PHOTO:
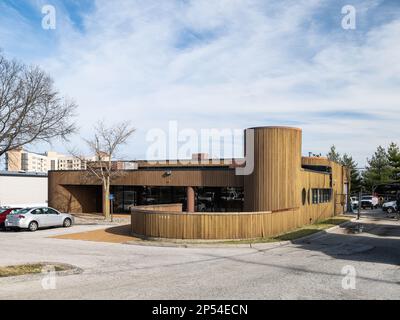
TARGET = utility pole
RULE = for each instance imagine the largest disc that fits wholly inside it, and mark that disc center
(349, 208)
(111, 207)
(359, 205)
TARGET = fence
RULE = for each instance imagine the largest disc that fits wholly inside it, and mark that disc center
(159, 222)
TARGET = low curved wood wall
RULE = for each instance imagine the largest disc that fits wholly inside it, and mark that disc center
(153, 222)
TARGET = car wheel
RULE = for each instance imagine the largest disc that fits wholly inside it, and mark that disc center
(67, 223)
(390, 210)
(33, 226)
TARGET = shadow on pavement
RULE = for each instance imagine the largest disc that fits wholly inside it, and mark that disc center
(124, 230)
(377, 243)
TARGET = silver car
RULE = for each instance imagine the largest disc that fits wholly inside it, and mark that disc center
(40, 217)
(390, 207)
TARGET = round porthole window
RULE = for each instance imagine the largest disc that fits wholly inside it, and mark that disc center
(304, 196)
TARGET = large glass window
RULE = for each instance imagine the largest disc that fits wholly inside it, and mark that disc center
(327, 195)
(219, 199)
(124, 198)
(321, 195)
(127, 196)
(314, 196)
(207, 199)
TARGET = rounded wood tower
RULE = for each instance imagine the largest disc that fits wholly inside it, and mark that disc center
(274, 183)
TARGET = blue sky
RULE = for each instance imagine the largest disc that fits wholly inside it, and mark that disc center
(75, 10)
(220, 64)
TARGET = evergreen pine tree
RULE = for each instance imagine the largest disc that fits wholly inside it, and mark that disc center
(333, 155)
(378, 169)
(355, 177)
(394, 161)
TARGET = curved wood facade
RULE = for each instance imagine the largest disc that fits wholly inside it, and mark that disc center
(167, 222)
(274, 183)
(156, 223)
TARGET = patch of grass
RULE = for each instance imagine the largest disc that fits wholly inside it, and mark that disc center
(296, 234)
(12, 271)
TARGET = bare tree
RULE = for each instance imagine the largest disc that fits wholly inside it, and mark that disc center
(105, 145)
(31, 109)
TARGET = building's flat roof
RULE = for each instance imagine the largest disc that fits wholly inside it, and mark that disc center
(23, 174)
(315, 171)
(190, 163)
(275, 127)
(206, 164)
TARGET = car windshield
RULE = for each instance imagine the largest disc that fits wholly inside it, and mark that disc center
(367, 198)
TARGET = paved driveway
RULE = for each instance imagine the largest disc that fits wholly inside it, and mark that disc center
(310, 269)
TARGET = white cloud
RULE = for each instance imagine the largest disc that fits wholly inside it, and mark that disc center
(253, 62)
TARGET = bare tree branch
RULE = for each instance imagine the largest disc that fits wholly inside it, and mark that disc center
(31, 109)
(105, 145)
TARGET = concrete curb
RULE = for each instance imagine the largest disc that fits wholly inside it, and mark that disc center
(254, 245)
(171, 244)
(322, 232)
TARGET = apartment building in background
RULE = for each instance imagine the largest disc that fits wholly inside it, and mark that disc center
(19, 160)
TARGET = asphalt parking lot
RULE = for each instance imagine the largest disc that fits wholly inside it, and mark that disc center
(314, 268)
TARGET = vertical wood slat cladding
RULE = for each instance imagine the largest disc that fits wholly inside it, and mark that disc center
(339, 179)
(212, 226)
(311, 212)
(183, 177)
(223, 226)
(274, 184)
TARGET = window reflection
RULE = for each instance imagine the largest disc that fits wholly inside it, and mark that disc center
(207, 199)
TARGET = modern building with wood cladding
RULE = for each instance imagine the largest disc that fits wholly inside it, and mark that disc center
(310, 188)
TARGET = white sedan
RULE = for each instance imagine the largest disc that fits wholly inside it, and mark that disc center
(40, 217)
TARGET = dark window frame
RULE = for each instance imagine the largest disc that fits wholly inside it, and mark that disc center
(321, 195)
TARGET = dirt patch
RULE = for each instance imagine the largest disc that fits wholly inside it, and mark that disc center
(98, 219)
(26, 269)
(118, 234)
